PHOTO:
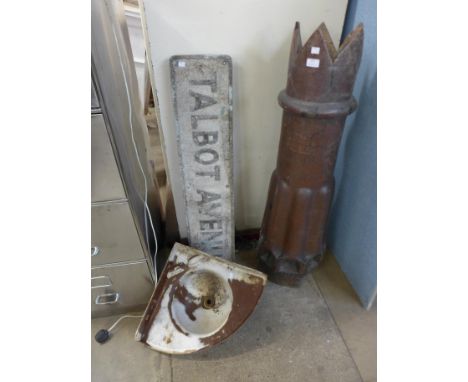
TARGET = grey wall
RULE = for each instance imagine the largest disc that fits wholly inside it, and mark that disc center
(352, 235)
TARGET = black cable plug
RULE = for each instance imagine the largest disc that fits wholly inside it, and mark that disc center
(102, 336)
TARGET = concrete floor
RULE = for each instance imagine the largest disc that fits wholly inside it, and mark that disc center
(317, 332)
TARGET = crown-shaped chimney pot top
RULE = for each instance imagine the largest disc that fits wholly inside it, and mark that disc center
(317, 71)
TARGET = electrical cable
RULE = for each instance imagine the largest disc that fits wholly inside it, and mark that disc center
(103, 335)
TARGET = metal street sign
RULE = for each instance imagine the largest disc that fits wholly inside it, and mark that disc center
(202, 87)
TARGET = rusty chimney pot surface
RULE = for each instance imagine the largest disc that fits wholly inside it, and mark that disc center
(315, 103)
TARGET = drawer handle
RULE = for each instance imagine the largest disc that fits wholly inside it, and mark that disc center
(106, 282)
(95, 251)
(107, 298)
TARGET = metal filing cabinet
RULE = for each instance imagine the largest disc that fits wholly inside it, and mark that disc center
(121, 278)
(124, 194)
(120, 287)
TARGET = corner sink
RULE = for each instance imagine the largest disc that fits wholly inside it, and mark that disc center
(199, 301)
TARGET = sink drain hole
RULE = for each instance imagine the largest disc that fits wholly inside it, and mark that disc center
(208, 302)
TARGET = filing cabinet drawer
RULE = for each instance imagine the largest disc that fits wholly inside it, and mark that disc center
(106, 183)
(120, 288)
(114, 237)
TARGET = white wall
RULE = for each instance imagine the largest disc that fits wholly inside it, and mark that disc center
(257, 35)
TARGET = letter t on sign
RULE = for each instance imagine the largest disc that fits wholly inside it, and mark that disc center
(202, 104)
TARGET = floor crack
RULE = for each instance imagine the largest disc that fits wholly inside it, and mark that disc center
(170, 363)
(317, 286)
